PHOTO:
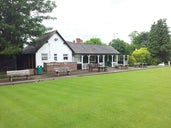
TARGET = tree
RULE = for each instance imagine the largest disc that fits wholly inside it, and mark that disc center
(159, 40)
(94, 41)
(20, 21)
(133, 35)
(132, 60)
(120, 46)
(139, 39)
(142, 55)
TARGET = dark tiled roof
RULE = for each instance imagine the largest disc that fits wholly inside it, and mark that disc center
(91, 49)
(76, 48)
(39, 42)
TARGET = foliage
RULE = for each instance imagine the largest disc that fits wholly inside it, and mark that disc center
(154, 61)
(132, 60)
(20, 22)
(128, 100)
(130, 48)
(120, 46)
(139, 39)
(159, 40)
(133, 36)
(142, 55)
(94, 41)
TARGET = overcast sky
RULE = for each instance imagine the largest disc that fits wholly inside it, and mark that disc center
(107, 19)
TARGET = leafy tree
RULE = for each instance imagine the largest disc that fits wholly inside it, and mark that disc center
(130, 48)
(159, 40)
(94, 41)
(139, 39)
(20, 21)
(120, 45)
(133, 35)
(132, 60)
(142, 55)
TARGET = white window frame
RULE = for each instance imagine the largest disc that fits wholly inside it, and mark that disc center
(55, 57)
(44, 56)
(65, 57)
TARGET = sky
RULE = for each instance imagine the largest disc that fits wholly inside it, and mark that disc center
(107, 19)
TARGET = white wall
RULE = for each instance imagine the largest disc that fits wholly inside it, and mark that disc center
(77, 58)
(53, 47)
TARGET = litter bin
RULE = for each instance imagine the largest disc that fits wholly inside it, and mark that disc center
(39, 70)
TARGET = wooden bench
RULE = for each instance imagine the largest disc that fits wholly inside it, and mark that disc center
(16, 73)
(140, 65)
(60, 70)
(118, 66)
(92, 66)
(124, 66)
(137, 65)
(103, 68)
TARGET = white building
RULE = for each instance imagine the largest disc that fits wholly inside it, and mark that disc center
(52, 47)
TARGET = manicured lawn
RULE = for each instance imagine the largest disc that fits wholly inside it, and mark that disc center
(137, 99)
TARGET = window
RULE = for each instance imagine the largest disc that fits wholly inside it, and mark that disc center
(65, 56)
(92, 58)
(44, 56)
(55, 57)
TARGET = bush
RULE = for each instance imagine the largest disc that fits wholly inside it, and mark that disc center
(132, 60)
(155, 61)
(142, 55)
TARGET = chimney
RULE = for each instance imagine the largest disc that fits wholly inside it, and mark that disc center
(78, 41)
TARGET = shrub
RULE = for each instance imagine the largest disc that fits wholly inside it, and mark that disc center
(142, 55)
(132, 60)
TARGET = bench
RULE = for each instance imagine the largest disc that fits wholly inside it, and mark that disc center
(60, 70)
(92, 66)
(16, 73)
(103, 68)
(140, 65)
(124, 66)
(118, 66)
(121, 66)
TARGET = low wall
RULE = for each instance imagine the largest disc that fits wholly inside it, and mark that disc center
(32, 71)
(49, 67)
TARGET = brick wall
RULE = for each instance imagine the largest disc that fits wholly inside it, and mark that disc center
(49, 67)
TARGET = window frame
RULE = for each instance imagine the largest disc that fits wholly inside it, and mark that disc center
(65, 57)
(55, 57)
(44, 56)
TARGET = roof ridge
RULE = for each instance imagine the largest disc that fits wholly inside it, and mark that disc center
(91, 48)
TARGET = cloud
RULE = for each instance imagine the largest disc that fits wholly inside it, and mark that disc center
(103, 18)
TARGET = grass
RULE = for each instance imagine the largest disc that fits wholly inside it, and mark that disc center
(137, 99)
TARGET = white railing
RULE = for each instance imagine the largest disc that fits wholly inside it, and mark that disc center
(114, 64)
(85, 66)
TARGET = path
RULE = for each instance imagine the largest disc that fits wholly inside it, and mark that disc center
(52, 76)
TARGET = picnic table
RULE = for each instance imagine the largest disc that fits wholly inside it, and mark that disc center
(103, 68)
(140, 65)
(121, 66)
(92, 66)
